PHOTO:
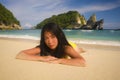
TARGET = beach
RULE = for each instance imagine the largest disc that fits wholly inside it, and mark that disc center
(102, 63)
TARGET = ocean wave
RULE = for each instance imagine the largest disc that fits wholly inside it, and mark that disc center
(77, 41)
(20, 37)
(87, 30)
(67, 30)
(97, 42)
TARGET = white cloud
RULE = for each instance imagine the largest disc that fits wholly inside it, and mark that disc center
(49, 4)
(99, 7)
(28, 25)
(112, 25)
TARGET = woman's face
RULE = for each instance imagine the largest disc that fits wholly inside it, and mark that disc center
(50, 40)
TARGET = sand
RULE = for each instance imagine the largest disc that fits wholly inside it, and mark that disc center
(102, 63)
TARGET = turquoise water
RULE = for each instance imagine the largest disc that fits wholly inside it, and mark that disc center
(103, 37)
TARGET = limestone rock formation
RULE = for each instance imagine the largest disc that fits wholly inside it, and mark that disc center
(92, 23)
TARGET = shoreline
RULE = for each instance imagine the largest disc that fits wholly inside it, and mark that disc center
(19, 39)
(82, 45)
(77, 41)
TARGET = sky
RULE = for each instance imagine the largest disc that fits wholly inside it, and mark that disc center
(32, 12)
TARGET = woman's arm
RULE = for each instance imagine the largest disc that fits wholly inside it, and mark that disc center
(74, 62)
(34, 55)
(76, 58)
(29, 54)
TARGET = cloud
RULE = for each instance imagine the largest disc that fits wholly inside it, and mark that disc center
(28, 25)
(51, 4)
(98, 7)
(112, 25)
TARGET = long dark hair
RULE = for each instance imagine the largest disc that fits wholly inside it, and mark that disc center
(62, 41)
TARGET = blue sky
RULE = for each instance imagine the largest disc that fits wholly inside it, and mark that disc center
(31, 12)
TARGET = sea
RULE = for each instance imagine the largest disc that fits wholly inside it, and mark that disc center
(99, 37)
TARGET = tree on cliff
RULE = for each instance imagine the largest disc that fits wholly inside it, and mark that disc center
(6, 17)
(69, 20)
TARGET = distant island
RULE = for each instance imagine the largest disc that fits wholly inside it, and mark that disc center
(7, 20)
(73, 20)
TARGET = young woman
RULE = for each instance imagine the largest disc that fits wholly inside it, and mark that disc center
(53, 48)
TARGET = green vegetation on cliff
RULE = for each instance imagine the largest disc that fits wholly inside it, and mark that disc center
(65, 20)
(7, 19)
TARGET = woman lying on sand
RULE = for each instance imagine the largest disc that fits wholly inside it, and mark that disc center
(54, 48)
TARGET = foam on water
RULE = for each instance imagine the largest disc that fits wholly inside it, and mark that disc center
(98, 42)
(20, 37)
(77, 41)
(104, 37)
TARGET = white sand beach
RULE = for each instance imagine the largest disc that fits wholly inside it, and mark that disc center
(102, 63)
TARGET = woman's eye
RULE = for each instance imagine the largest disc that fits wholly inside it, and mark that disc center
(46, 38)
(53, 36)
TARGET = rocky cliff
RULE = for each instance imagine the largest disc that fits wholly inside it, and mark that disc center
(7, 19)
(92, 23)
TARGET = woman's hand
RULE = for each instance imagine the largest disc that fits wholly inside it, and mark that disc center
(55, 61)
(73, 62)
(48, 58)
(51, 59)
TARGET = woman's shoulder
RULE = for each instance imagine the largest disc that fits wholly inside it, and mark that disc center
(72, 44)
(68, 48)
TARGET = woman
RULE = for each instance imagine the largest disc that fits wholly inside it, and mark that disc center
(53, 48)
